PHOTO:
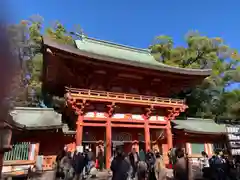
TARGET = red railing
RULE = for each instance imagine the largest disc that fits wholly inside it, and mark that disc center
(114, 96)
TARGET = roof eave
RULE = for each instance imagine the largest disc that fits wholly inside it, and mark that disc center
(33, 127)
(44, 127)
(13, 124)
(204, 133)
(200, 132)
(162, 67)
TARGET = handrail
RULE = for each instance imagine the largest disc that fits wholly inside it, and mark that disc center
(121, 96)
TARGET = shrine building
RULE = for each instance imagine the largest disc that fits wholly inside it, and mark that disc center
(116, 96)
(197, 135)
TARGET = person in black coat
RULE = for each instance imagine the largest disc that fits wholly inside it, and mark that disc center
(86, 160)
(120, 167)
(134, 159)
(78, 165)
(150, 160)
(59, 170)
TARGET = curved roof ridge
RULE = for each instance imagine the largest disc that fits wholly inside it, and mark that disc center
(188, 69)
(198, 119)
(116, 45)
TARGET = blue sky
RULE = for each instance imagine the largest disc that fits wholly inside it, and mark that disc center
(137, 22)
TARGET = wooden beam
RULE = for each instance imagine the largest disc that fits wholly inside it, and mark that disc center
(128, 125)
(95, 119)
(114, 120)
(158, 122)
(157, 127)
(94, 124)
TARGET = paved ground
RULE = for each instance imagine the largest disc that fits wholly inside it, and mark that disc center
(103, 175)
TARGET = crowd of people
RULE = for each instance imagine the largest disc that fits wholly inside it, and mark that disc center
(135, 165)
(77, 165)
(146, 166)
(220, 166)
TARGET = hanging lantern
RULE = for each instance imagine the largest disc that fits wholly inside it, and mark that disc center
(5, 139)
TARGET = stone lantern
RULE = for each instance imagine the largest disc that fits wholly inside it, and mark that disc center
(5, 138)
(5, 141)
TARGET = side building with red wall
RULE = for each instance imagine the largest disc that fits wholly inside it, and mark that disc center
(37, 143)
(197, 135)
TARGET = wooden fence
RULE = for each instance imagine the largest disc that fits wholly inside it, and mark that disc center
(20, 151)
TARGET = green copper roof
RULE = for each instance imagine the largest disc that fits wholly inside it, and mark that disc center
(127, 54)
(120, 54)
(201, 126)
(37, 118)
(116, 51)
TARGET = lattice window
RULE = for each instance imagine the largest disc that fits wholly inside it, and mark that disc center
(123, 136)
(141, 137)
(89, 137)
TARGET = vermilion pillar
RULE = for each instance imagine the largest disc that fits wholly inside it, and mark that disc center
(79, 132)
(108, 144)
(147, 134)
(169, 135)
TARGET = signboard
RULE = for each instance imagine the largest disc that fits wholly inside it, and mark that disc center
(234, 139)
(79, 149)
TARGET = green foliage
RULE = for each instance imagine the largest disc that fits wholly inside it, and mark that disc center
(199, 52)
(59, 33)
(210, 99)
(24, 50)
(232, 104)
(26, 39)
(34, 67)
